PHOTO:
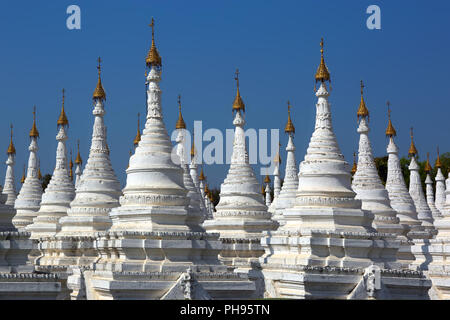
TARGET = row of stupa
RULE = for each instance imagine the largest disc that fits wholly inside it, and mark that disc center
(324, 235)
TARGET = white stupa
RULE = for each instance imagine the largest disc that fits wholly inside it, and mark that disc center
(9, 187)
(430, 192)
(327, 248)
(440, 185)
(288, 191)
(79, 163)
(195, 213)
(416, 191)
(60, 190)
(401, 200)
(195, 179)
(367, 183)
(276, 174)
(28, 201)
(268, 191)
(98, 189)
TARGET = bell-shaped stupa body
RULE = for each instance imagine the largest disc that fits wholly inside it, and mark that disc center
(194, 176)
(415, 190)
(59, 192)
(9, 187)
(29, 199)
(241, 212)
(367, 183)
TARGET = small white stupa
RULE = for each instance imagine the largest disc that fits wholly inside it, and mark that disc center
(416, 191)
(401, 200)
(429, 190)
(9, 187)
(268, 191)
(28, 201)
(60, 190)
(440, 185)
(288, 192)
(79, 163)
(195, 213)
(366, 181)
(195, 179)
(276, 181)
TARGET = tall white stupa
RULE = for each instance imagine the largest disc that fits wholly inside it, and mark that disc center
(416, 191)
(195, 178)
(28, 201)
(79, 163)
(288, 192)
(60, 190)
(9, 187)
(366, 181)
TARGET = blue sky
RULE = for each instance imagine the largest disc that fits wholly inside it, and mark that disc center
(275, 44)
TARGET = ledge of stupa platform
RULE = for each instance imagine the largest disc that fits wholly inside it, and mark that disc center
(15, 246)
(29, 286)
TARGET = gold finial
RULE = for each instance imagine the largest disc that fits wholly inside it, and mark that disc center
(206, 189)
(201, 177)
(289, 128)
(138, 134)
(390, 131)
(322, 73)
(99, 92)
(355, 166)
(180, 122)
(412, 149)
(71, 167)
(153, 58)
(62, 120)
(39, 173)
(22, 181)
(277, 158)
(267, 179)
(11, 149)
(263, 190)
(238, 104)
(34, 133)
(438, 163)
(210, 196)
(193, 151)
(362, 110)
(427, 164)
(78, 159)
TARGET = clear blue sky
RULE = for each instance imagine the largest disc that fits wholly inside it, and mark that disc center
(275, 44)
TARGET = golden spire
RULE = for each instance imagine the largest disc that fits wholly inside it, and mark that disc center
(62, 120)
(71, 167)
(362, 110)
(390, 131)
(289, 128)
(138, 134)
(22, 181)
(193, 151)
(412, 149)
(78, 159)
(201, 177)
(210, 196)
(180, 122)
(322, 73)
(438, 163)
(355, 166)
(277, 158)
(11, 149)
(153, 59)
(267, 179)
(99, 93)
(263, 190)
(238, 104)
(427, 164)
(39, 173)
(206, 189)
(34, 133)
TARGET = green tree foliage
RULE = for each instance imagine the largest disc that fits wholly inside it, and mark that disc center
(381, 164)
(215, 196)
